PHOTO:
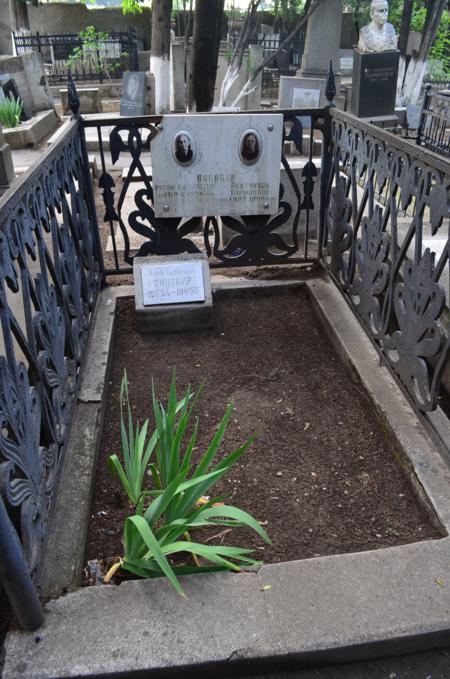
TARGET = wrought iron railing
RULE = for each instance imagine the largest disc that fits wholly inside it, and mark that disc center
(134, 231)
(50, 273)
(434, 128)
(96, 60)
(386, 244)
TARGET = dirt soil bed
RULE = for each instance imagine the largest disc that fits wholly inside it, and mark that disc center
(322, 473)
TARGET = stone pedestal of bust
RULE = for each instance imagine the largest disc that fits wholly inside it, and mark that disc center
(374, 83)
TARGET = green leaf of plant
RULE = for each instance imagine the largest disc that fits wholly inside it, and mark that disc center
(237, 514)
(152, 544)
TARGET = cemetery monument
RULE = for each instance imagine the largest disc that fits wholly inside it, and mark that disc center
(132, 102)
(375, 67)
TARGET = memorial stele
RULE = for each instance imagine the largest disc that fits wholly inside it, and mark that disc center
(379, 35)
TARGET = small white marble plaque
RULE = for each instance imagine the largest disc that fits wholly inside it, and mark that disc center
(305, 98)
(217, 165)
(174, 283)
(346, 63)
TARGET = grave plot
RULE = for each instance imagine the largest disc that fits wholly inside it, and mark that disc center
(322, 476)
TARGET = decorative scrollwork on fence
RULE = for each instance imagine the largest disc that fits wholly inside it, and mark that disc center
(135, 230)
(388, 203)
(50, 274)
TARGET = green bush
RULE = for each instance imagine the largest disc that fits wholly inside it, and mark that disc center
(177, 502)
(11, 112)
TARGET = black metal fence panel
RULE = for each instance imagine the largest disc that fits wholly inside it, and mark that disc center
(386, 244)
(434, 129)
(50, 274)
(134, 231)
(88, 59)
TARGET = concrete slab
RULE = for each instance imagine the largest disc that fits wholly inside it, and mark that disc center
(325, 609)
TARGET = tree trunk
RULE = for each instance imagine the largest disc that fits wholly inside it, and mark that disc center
(160, 56)
(413, 78)
(205, 53)
(19, 15)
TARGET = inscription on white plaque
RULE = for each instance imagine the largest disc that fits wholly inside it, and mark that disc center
(174, 283)
(217, 165)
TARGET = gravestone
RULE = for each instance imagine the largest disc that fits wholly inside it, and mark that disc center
(172, 293)
(322, 44)
(217, 165)
(374, 83)
(413, 116)
(132, 102)
(27, 71)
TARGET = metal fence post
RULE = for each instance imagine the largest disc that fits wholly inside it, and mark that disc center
(15, 577)
(74, 105)
(423, 113)
(327, 157)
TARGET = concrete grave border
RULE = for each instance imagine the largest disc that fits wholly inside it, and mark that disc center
(327, 609)
(31, 132)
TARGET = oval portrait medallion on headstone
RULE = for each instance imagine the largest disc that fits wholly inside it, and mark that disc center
(184, 148)
(250, 147)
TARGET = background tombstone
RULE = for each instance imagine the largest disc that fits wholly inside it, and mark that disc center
(374, 83)
(132, 102)
(322, 45)
(27, 71)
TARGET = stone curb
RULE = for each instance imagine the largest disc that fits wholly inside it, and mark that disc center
(328, 609)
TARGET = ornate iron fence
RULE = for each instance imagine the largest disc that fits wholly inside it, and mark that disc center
(50, 273)
(134, 231)
(386, 244)
(102, 59)
(434, 128)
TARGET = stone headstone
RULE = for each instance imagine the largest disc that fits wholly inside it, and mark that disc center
(27, 71)
(217, 165)
(413, 115)
(132, 102)
(323, 38)
(172, 293)
(374, 83)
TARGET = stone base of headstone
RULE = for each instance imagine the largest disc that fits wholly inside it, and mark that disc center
(164, 318)
(31, 132)
(286, 95)
(374, 83)
(89, 97)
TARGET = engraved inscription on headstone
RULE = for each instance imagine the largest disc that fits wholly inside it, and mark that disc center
(374, 83)
(346, 63)
(217, 165)
(174, 283)
(132, 102)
